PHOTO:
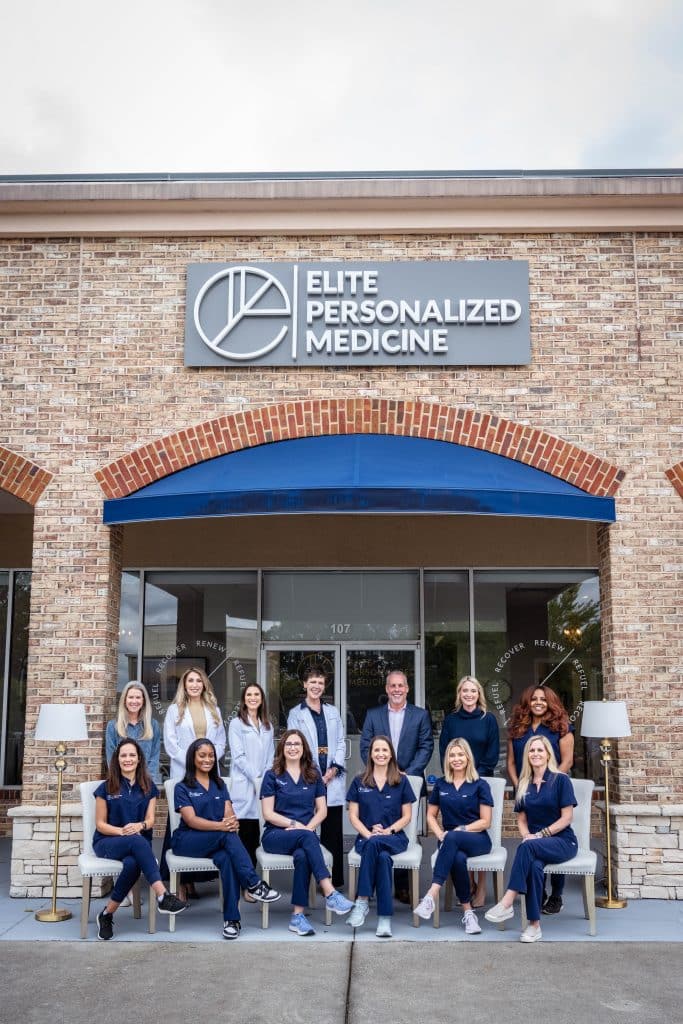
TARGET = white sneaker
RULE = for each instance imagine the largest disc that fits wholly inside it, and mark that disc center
(383, 928)
(532, 933)
(356, 918)
(425, 908)
(126, 901)
(499, 913)
(472, 926)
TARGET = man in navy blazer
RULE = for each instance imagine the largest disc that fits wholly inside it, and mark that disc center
(410, 731)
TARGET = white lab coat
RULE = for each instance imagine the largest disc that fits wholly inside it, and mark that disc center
(179, 735)
(251, 755)
(300, 718)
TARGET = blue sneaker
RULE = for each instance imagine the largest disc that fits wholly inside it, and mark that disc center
(300, 925)
(338, 904)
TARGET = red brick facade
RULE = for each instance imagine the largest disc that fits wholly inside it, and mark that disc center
(288, 420)
(21, 477)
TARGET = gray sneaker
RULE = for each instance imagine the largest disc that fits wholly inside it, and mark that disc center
(383, 928)
(425, 908)
(356, 918)
(472, 926)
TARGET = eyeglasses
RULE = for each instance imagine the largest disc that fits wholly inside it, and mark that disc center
(295, 743)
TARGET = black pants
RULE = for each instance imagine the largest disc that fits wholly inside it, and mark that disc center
(250, 834)
(332, 836)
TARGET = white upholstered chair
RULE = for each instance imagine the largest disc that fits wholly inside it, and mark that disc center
(585, 861)
(495, 860)
(91, 866)
(410, 859)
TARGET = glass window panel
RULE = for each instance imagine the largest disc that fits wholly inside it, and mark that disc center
(284, 675)
(447, 639)
(16, 696)
(4, 602)
(202, 619)
(540, 627)
(311, 606)
(129, 628)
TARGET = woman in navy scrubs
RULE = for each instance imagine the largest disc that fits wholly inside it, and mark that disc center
(208, 828)
(544, 806)
(540, 712)
(379, 809)
(124, 819)
(293, 801)
(465, 803)
(472, 722)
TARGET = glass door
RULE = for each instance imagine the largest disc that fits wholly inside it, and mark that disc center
(282, 670)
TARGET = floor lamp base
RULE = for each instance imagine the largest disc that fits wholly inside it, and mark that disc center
(51, 916)
(605, 903)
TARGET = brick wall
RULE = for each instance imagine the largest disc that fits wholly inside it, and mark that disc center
(92, 359)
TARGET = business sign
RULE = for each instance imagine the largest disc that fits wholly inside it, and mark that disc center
(465, 313)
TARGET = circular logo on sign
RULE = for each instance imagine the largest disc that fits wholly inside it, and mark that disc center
(229, 306)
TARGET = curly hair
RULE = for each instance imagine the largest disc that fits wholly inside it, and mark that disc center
(208, 697)
(556, 718)
(308, 769)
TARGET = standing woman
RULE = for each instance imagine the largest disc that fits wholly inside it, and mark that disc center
(465, 803)
(125, 805)
(544, 806)
(322, 726)
(472, 722)
(293, 802)
(193, 715)
(252, 748)
(540, 712)
(134, 721)
(379, 809)
(208, 828)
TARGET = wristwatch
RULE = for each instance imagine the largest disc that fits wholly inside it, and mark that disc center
(392, 831)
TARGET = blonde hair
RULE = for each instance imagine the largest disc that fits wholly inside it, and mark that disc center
(122, 720)
(208, 697)
(482, 696)
(527, 771)
(471, 773)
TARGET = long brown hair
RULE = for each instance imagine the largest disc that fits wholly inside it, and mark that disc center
(208, 697)
(556, 718)
(393, 773)
(262, 710)
(308, 769)
(142, 776)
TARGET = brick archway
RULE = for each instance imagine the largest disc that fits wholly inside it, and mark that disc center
(675, 477)
(287, 420)
(21, 477)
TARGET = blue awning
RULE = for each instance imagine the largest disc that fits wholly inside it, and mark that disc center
(368, 473)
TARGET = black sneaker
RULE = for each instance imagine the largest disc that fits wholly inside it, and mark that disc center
(231, 929)
(263, 893)
(170, 904)
(105, 926)
(553, 905)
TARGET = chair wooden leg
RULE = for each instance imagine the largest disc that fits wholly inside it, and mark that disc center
(312, 892)
(137, 909)
(264, 906)
(173, 885)
(589, 902)
(499, 890)
(152, 916)
(352, 883)
(448, 898)
(436, 920)
(415, 893)
(522, 908)
(85, 906)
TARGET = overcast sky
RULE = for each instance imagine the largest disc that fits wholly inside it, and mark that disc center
(289, 85)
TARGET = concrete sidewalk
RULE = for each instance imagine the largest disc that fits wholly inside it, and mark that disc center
(339, 983)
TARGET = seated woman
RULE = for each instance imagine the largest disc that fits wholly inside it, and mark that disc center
(465, 802)
(293, 802)
(379, 809)
(544, 806)
(208, 828)
(124, 818)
